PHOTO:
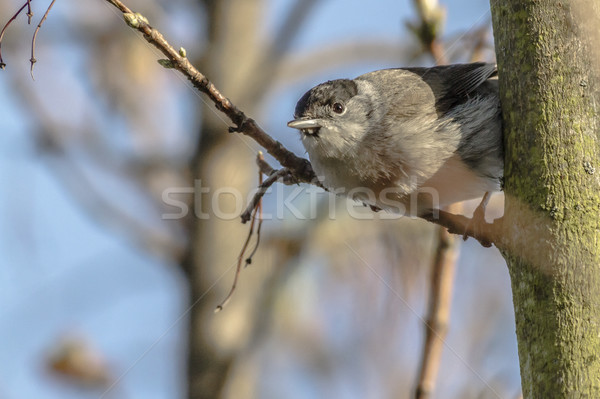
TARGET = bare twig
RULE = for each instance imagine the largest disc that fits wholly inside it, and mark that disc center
(479, 40)
(299, 168)
(274, 175)
(2, 64)
(469, 44)
(29, 12)
(285, 178)
(437, 52)
(263, 165)
(257, 209)
(431, 19)
(440, 295)
(438, 313)
(239, 265)
(257, 243)
(262, 189)
(33, 60)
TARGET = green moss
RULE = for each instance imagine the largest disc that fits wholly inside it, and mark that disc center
(553, 196)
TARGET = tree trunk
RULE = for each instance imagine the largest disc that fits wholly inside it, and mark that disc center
(548, 72)
(221, 160)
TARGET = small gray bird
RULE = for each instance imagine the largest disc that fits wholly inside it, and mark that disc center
(406, 140)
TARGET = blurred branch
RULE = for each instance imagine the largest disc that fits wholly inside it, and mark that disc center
(32, 60)
(428, 28)
(274, 175)
(256, 210)
(479, 40)
(300, 168)
(485, 233)
(29, 12)
(438, 313)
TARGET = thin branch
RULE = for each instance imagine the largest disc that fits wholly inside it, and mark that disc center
(257, 209)
(122, 7)
(33, 60)
(2, 64)
(485, 233)
(437, 52)
(238, 268)
(480, 41)
(262, 189)
(29, 12)
(257, 243)
(263, 166)
(438, 313)
(462, 44)
(431, 19)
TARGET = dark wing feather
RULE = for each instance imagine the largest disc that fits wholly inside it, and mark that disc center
(453, 84)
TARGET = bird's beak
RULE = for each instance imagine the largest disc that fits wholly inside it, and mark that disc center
(303, 124)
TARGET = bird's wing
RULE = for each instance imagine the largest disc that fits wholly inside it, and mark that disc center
(453, 84)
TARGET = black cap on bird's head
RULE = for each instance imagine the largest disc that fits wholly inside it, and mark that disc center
(325, 94)
(322, 101)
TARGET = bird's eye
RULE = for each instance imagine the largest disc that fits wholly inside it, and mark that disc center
(338, 108)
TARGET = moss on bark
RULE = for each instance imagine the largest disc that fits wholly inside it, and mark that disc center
(549, 93)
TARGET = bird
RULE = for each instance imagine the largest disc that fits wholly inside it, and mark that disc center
(406, 140)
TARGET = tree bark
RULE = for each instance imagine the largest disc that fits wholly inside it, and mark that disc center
(548, 71)
(220, 160)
